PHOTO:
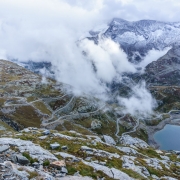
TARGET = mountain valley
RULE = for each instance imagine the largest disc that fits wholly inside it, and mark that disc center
(47, 131)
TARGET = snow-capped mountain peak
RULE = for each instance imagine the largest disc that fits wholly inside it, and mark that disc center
(142, 36)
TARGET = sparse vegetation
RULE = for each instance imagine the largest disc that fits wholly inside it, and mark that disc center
(46, 163)
(26, 154)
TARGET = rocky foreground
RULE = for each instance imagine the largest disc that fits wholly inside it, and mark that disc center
(90, 139)
(35, 153)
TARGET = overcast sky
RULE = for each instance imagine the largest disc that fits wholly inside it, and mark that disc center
(49, 29)
(27, 26)
(36, 18)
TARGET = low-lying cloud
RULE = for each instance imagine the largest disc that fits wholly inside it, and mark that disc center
(140, 103)
(109, 59)
(49, 30)
(152, 55)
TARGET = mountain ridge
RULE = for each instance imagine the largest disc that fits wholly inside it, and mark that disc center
(141, 36)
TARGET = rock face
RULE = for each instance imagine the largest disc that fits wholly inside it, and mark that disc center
(109, 140)
(128, 163)
(34, 150)
(46, 132)
(54, 146)
(129, 141)
(49, 106)
(21, 159)
(165, 70)
(18, 172)
(3, 148)
(111, 172)
(58, 164)
(76, 178)
(132, 159)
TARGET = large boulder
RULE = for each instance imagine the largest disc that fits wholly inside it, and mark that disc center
(58, 164)
(20, 159)
(109, 140)
(54, 146)
(4, 148)
(130, 141)
(35, 151)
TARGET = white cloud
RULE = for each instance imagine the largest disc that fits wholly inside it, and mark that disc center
(109, 60)
(140, 103)
(48, 30)
(151, 56)
(3, 54)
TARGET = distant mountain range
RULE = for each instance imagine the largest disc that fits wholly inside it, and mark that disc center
(138, 37)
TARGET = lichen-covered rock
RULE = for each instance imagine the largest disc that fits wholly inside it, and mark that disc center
(20, 159)
(111, 172)
(127, 150)
(109, 140)
(76, 178)
(128, 163)
(18, 172)
(58, 164)
(128, 141)
(35, 151)
(4, 148)
(54, 146)
(98, 152)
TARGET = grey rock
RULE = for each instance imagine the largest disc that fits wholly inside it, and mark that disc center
(26, 130)
(154, 176)
(20, 159)
(88, 159)
(54, 146)
(177, 152)
(145, 171)
(34, 128)
(76, 160)
(165, 158)
(64, 148)
(109, 140)
(64, 170)
(102, 163)
(36, 165)
(129, 141)
(85, 148)
(46, 132)
(60, 175)
(42, 137)
(96, 124)
(4, 148)
(94, 142)
(76, 173)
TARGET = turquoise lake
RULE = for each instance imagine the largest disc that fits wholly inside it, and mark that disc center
(168, 138)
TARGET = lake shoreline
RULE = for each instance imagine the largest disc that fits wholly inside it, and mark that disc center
(151, 130)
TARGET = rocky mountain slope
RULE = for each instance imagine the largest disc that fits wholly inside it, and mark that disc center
(89, 137)
(165, 71)
(161, 75)
(27, 101)
(47, 132)
(41, 154)
(138, 37)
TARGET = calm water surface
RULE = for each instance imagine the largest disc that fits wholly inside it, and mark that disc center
(168, 138)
